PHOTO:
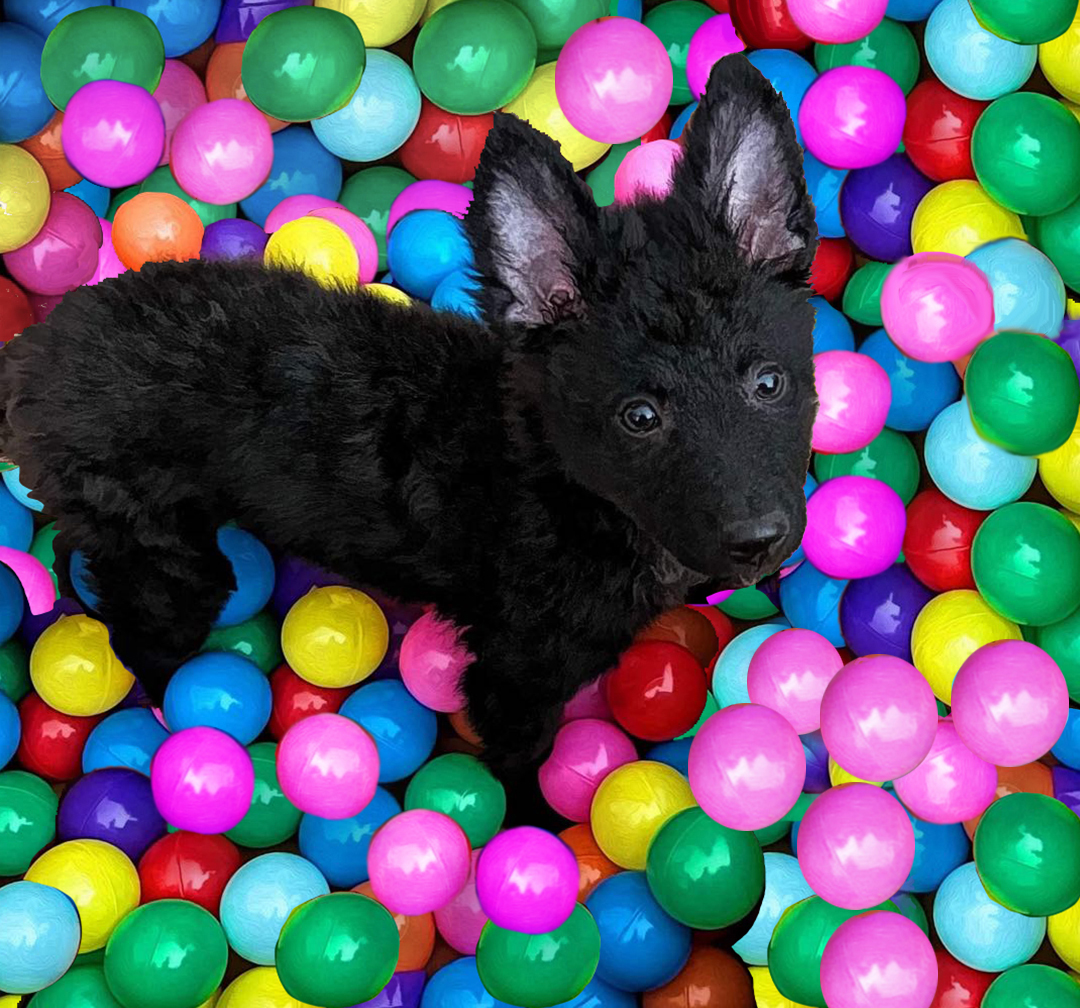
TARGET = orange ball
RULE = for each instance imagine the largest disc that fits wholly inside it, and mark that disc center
(223, 78)
(49, 152)
(460, 722)
(593, 864)
(711, 978)
(416, 934)
(156, 227)
(1031, 778)
(687, 627)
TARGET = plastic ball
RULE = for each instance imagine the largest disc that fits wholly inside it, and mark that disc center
(188, 866)
(460, 786)
(784, 886)
(890, 48)
(425, 246)
(219, 690)
(1059, 471)
(833, 264)
(811, 601)
(114, 805)
(381, 22)
(829, 21)
(402, 729)
(317, 248)
(39, 938)
(272, 818)
(584, 753)
(301, 166)
(1043, 985)
(824, 186)
(878, 203)
(25, 108)
(854, 397)
(178, 92)
(937, 132)
(938, 850)
(429, 194)
(156, 227)
(890, 458)
(339, 847)
(461, 921)
(1057, 60)
(432, 662)
(63, 252)
(959, 986)
(832, 331)
(789, 673)
(920, 390)
(862, 295)
(675, 24)
(711, 976)
(712, 40)
(296, 699)
(445, 145)
(657, 690)
(26, 195)
(765, 25)
(1028, 292)
(647, 171)
(877, 614)
(731, 672)
(28, 806)
(51, 743)
(958, 216)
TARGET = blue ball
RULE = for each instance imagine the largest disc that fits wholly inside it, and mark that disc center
(1028, 292)
(626, 8)
(424, 247)
(253, 568)
(44, 17)
(920, 390)
(681, 120)
(219, 689)
(20, 492)
(811, 601)
(184, 24)
(379, 117)
(729, 673)
(832, 330)
(96, 197)
(1067, 748)
(458, 985)
(127, 738)
(301, 165)
(969, 470)
(12, 604)
(784, 887)
(457, 291)
(402, 729)
(939, 850)
(910, 10)
(641, 947)
(823, 184)
(16, 522)
(10, 730)
(24, 106)
(969, 59)
(598, 994)
(675, 753)
(980, 933)
(789, 74)
(809, 486)
(260, 896)
(79, 573)
(39, 938)
(339, 847)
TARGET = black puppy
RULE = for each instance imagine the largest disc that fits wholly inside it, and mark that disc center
(635, 420)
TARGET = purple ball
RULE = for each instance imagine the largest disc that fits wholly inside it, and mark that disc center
(399, 617)
(878, 203)
(403, 991)
(294, 579)
(32, 627)
(877, 613)
(817, 763)
(233, 238)
(1066, 787)
(115, 805)
(238, 18)
(1069, 340)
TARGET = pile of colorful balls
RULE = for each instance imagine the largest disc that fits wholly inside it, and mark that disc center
(854, 786)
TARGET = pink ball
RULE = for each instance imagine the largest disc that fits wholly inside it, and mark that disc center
(419, 861)
(852, 117)
(712, 41)
(951, 784)
(202, 780)
(588, 702)
(585, 752)
(647, 170)
(853, 400)
(177, 93)
(747, 767)
(462, 919)
(789, 672)
(109, 264)
(359, 234)
(429, 194)
(837, 20)
(856, 846)
(328, 765)
(63, 255)
(1010, 703)
(613, 79)
(937, 306)
(854, 527)
(880, 959)
(878, 717)
(294, 207)
(527, 880)
(432, 662)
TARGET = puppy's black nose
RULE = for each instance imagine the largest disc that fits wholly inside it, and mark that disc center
(753, 539)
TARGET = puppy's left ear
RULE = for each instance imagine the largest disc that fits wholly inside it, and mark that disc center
(743, 170)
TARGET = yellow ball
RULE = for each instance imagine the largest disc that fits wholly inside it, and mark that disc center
(99, 878)
(388, 293)
(765, 993)
(948, 629)
(432, 7)
(631, 805)
(1060, 471)
(1060, 61)
(958, 217)
(316, 247)
(24, 197)
(258, 988)
(838, 775)
(539, 107)
(1063, 930)
(334, 636)
(380, 21)
(75, 670)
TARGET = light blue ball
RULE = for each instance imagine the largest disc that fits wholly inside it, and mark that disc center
(681, 120)
(126, 738)
(424, 247)
(789, 74)
(379, 117)
(339, 847)
(939, 850)
(219, 689)
(675, 754)
(969, 470)
(971, 60)
(920, 390)
(10, 730)
(832, 330)
(823, 184)
(729, 673)
(1028, 292)
(12, 604)
(44, 17)
(910, 10)
(16, 522)
(811, 601)
(458, 985)
(39, 936)
(980, 933)
(260, 896)
(20, 492)
(301, 165)
(24, 106)
(96, 197)
(402, 729)
(253, 568)
(184, 24)
(1067, 748)
(784, 887)
(457, 292)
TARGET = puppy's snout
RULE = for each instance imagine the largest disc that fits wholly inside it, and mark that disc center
(753, 540)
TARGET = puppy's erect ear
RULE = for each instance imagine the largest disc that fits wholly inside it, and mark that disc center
(743, 169)
(532, 224)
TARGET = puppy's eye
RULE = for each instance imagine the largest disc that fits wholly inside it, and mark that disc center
(639, 416)
(769, 384)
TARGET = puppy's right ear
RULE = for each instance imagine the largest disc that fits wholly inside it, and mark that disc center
(532, 224)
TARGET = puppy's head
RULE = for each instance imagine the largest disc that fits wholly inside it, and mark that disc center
(666, 345)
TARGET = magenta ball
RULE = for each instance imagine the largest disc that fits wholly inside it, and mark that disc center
(367, 251)
(856, 846)
(789, 672)
(109, 264)
(647, 171)
(585, 752)
(712, 41)
(432, 662)
(854, 527)
(202, 780)
(747, 767)
(527, 880)
(951, 784)
(882, 960)
(613, 79)
(328, 766)
(177, 93)
(63, 255)
(937, 306)
(419, 861)
(462, 919)
(852, 116)
(837, 20)
(429, 194)
(589, 702)
(293, 207)
(1010, 702)
(854, 396)
(878, 718)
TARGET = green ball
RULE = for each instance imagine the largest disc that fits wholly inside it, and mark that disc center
(862, 295)
(1032, 986)
(538, 971)
(1027, 852)
(674, 23)
(369, 193)
(302, 63)
(14, 670)
(890, 457)
(909, 905)
(120, 197)
(257, 639)
(337, 950)
(80, 987)
(1061, 641)
(771, 834)
(890, 48)
(41, 549)
(460, 786)
(169, 953)
(705, 875)
(554, 21)
(1025, 559)
(27, 819)
(1058, 237)
(710, 708)
(749, 603)
(1026, 22)
(601, 180)
(162, 180)
(271, 818)
(101, 43)
(1025, 148)
(473, 56)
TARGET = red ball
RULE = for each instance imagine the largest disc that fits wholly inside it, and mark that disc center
(294, 699)
(188, 866)
(52, 743)
(767, 24)
(445, 145)
(659, 131)
(937, 541)
(832, 267)
(688, 627)
(15, 311)
(959, 986)
(657, 691)
(937, 131)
